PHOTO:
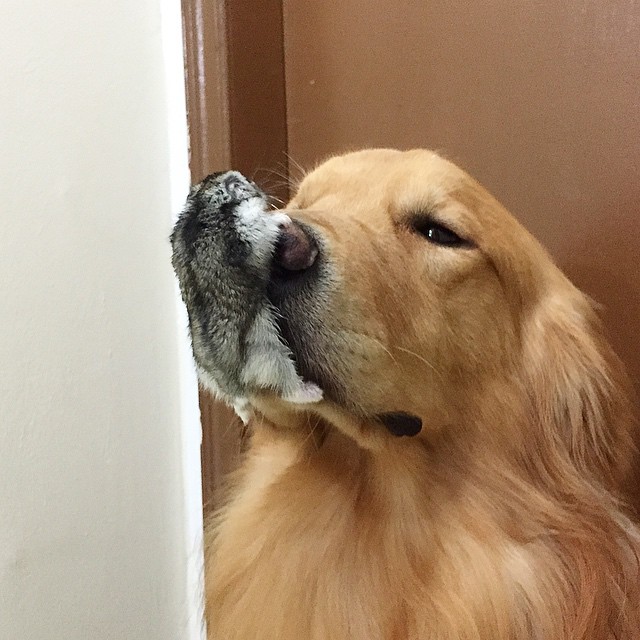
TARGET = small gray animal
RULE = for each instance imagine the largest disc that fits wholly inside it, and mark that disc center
(225, 245)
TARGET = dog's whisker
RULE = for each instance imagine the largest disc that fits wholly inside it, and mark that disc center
(376, 341)
(385, 349)
(296, 164)
(274, 184)
(282, 182)
(227, 428)
(286, 180)
(311, 434)
(419, 357)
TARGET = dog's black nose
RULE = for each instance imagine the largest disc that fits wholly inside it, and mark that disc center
(296, 250)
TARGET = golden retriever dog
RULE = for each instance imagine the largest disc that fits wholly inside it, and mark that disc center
(442, 443)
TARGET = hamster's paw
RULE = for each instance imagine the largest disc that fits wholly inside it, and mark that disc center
(243, 409)
(305, 393)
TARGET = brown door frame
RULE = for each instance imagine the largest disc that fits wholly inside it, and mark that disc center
(236, 109)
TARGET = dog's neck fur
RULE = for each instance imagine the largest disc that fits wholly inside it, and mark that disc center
(416, 541)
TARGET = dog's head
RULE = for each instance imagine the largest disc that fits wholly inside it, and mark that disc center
(418, 300)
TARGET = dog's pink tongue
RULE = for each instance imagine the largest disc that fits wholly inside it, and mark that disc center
(296, 251)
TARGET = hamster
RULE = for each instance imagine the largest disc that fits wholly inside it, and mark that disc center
(224, 244)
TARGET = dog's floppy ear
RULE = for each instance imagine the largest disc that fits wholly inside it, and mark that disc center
(577, 388)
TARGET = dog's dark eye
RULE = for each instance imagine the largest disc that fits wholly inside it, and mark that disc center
(437, 233)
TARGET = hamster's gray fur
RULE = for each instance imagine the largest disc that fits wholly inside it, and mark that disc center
(223, 244)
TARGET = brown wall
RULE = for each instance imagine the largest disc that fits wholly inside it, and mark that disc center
(539, 100)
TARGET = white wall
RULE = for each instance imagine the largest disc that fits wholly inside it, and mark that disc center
(99, 477)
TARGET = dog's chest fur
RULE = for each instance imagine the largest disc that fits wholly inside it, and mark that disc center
(311, 551)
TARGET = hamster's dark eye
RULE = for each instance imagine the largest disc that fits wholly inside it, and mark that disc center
(437, 233)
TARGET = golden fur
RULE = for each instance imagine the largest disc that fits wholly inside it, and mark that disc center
(505, 517)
